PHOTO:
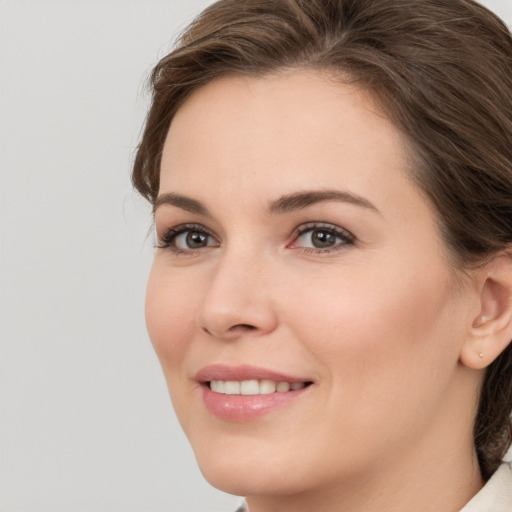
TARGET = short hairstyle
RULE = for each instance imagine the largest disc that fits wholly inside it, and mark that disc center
(442, 72)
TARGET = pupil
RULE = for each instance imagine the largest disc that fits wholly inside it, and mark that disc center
(323, 239)
(195, 239)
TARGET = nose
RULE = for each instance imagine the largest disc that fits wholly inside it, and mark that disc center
(237, 301)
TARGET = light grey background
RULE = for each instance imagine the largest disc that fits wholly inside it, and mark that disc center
(86, 423)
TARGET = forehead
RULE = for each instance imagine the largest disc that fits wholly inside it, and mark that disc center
(291, 124)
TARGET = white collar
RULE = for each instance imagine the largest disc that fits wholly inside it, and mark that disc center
(496, 495)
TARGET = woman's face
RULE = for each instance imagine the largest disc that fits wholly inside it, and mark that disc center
(295, 249)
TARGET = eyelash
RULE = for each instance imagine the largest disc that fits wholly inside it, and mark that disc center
(346, 237)
(169, 238)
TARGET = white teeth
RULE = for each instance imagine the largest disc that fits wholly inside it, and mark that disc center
(267, 387)
(249, 387)
(217, 386)
(253, 387)
(283, 386)
(232, 387)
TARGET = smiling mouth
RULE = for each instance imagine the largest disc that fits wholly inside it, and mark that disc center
(254, 387)
(245, 393)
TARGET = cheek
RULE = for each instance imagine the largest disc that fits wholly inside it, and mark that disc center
(169, 311)
(369, 326)
(385, 345)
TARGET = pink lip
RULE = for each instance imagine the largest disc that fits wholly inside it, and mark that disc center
(243, 372)
(244, 407)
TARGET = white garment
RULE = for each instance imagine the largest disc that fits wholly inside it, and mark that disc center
(242, 507)
(495, 496)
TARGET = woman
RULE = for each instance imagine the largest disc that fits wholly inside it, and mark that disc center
(331, 294)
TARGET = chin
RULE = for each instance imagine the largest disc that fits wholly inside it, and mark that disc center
(247, 472)
(254, 482)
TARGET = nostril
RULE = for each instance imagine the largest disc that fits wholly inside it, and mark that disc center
(244, 327)
(238, 328)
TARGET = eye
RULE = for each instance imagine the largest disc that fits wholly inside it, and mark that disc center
(320, 237)
(187, 238)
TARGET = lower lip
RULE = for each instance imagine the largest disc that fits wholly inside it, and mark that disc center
(246, 407)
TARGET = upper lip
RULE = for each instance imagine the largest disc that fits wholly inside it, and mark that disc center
(241, 373)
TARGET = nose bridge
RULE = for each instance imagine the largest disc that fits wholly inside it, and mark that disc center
(237, 299)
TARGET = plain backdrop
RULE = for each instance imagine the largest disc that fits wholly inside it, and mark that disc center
(86, 422)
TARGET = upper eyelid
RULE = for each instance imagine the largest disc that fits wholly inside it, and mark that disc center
(319, 224)
(187, 226)
(311, 226)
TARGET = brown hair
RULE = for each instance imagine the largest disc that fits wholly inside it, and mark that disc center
(442, 72)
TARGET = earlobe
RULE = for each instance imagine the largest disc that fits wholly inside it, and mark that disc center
(491, 330)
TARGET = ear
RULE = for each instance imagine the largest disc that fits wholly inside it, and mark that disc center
(491, 330)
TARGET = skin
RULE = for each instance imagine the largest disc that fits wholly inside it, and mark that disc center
(378, 323)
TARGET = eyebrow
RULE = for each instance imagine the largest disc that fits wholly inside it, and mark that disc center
(185, 203)
(300, 200)
(284, 204)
